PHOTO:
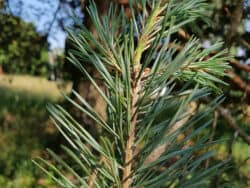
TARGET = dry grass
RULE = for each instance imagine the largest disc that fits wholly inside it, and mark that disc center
(34, 85)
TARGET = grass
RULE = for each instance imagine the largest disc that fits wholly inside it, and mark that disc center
(25, 129)
(34, 86)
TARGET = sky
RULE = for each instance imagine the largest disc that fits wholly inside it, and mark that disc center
(41, 14)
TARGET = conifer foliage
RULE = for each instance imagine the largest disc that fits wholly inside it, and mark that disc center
(147, 110)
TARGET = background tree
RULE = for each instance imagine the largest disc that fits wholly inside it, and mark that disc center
(22, 50)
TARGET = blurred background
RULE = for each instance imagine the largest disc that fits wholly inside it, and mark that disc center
(33, 72)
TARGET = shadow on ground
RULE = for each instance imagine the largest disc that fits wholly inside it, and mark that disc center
(25, 130)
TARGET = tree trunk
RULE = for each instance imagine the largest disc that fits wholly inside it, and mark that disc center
(80, 83)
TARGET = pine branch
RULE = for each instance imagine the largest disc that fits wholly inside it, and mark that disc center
(146, 112)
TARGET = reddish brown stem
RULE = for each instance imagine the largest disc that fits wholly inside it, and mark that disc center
(239, 83)
(240, 66)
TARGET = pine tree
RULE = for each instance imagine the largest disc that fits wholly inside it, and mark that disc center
(151, 136)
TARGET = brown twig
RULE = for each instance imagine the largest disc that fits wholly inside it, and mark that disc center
(239, 83)
(92, 177)
(240, 66)
(127, 180)
(245, 43)
(225, 113)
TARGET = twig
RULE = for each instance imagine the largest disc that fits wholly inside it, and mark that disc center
(54, 18)
(245, 43)
(240, 66)
(243, 162)
(232, 124)
(239, 83)
(92, 177)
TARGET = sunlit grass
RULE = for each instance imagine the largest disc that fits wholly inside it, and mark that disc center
(25, 128)
(35, 86)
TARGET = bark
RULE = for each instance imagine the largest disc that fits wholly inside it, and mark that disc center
(80, 83)
(240, 84)
(236, 17)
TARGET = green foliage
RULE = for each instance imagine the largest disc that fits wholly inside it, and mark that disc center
(19, 144)
(24, 132)
(143, 108)
(22, 49)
